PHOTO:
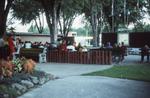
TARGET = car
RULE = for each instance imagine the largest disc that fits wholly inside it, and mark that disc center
(133, 51)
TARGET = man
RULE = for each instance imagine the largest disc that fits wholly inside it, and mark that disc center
(1, 42)
(123, 49)
(1, 47)
(145, 52)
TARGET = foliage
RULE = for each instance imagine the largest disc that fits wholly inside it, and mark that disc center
(141, 27)
(98, 12)
(29, 65)
(84, 31)
(52, 13)
(34, 29)
(25, 10)
(18, 64)
(33, 13)
(8, 68)
(68, 12)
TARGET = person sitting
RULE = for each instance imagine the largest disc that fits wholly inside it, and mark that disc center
(145, 52)
(79, 48)
(109, 45)
(72, 47)
(63, 46)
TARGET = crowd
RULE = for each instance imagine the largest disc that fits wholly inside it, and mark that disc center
(119, 51)
(9, 47)
(71, 47)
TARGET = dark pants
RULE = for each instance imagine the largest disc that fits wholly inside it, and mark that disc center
(142, 57)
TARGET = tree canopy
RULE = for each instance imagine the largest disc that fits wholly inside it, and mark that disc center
(101, 14)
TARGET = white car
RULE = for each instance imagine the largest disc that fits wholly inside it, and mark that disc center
(134, 51)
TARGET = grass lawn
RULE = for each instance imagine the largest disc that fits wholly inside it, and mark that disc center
(134, 72)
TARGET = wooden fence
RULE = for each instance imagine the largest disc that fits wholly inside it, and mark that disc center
(90, 57)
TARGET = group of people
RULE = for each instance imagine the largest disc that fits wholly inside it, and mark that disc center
(73, 47)
(7, 47)
(118, 51)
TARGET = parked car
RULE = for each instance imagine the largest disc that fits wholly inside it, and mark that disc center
(134, 51)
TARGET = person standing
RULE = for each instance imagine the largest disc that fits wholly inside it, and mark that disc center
(1, 47)
(1, 42)
(123, 50)
(11, 44)
(8, 41)
(145, 52)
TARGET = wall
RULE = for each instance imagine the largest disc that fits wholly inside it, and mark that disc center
(109, 37)
(136, 39)
(139, 39)
(33, 37)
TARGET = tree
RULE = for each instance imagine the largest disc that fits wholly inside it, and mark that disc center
(141, 27)
(28, 11)
(5, 6)
(52, 11)
(124, 12)
(92, 10)
(69, 10)
(84, 31)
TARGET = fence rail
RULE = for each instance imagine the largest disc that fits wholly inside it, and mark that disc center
(90, 57)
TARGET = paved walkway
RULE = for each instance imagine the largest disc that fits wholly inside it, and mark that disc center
(65, 70)
(91, 87)
(72, 85)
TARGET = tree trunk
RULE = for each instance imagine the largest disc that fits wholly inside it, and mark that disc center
(2, 25)
(51, 9)
(54, 32)
(94, 23)
(94, 30)
(4, 10)
(2, 18)
(48, 19)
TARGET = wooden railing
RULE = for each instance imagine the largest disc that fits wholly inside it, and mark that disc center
(90, 57)
(32, 53)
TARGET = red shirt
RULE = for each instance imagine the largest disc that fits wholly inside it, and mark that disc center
(123, 49)
(63, 47)
(11, 45)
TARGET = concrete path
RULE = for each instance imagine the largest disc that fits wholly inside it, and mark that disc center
(131, 59)
(65, 70)
(91, 87)
(72, 85)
